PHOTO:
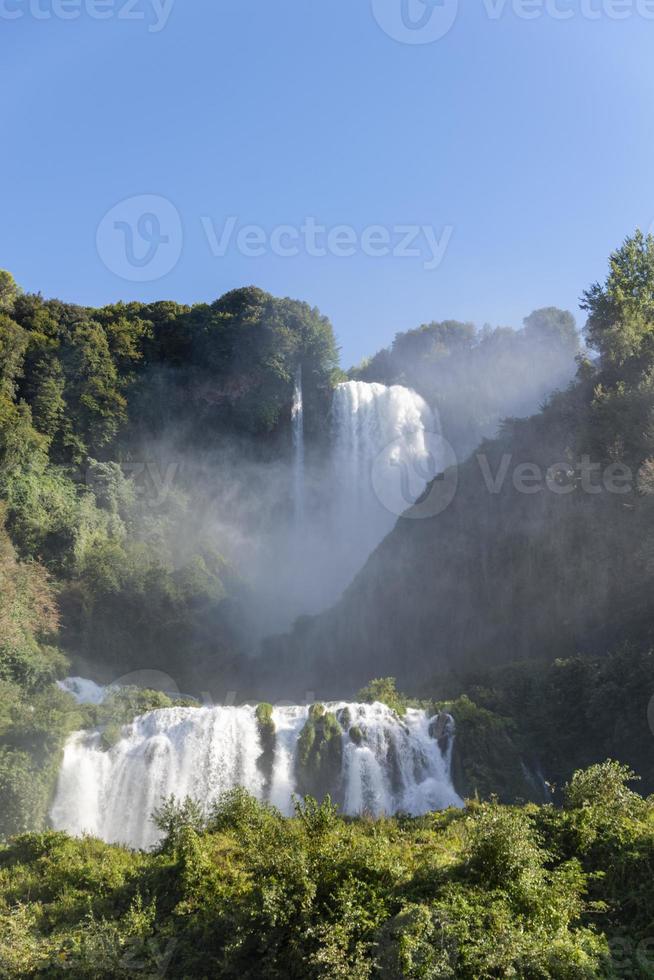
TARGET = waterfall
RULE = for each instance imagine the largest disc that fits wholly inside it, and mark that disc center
(83, 690)
(391, 765)
(381, 450)
(381, 462)
(297, 425)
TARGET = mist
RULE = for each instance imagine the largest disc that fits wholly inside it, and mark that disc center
(475, 377)
(296, 519)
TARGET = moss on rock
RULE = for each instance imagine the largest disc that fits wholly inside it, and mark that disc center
(485, 760)
(110, 735)
(356, 734)
(345, 718)
(319, 754)
(268, 737)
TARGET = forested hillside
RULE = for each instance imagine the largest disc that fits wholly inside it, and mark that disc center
(131, 443)
(475, 378)
(107, 420)
(119, 428)
(545, 549)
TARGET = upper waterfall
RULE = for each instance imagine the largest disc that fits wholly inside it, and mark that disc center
(297, 425)
(327, 508)
(380, 764)
(381, 462)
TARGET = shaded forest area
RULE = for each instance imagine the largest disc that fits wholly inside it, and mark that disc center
(546, 549)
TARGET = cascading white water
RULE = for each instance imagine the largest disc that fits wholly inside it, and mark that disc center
(297, 426)
(382, 459)
(382, 452)
(397, 766)
(393, 765)
(83, 690)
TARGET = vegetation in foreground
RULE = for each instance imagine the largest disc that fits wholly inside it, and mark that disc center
(491, 891)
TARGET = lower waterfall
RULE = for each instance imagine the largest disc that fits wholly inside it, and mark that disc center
(386, 764)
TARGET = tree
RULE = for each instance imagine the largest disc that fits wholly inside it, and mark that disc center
(13, 344)
(92, 392)
(605, 787)
(383, 689)
(28, 614)
(554, 327)
(620, 325)
(8, 290)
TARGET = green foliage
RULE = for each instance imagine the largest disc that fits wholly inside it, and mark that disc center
(20, 790)
(317, 818)
(319, 753)
(238, 811)
(82, 392)
(417, 944)
(621, 312)
(8, 290)
(550, 326)
(604, 807)
(124, 705)
(35, 716)
(384, 689)
(477, 377)
(604, 788)
(356, 734)
(174, 817)
(492, 891)
(127, 703)
(555, 717)
(268, 736)
(485, 760)
(502, 849)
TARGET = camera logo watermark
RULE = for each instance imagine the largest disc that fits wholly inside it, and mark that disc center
(415, 21)
(152, 482)
(154, 13)
(426, 21)
(140, 239)
(416, 484)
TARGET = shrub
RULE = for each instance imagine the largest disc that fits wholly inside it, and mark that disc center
(384, 689)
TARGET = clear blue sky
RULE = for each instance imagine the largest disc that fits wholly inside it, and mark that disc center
(532, 139)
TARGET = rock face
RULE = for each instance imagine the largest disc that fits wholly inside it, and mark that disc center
(268, 736)
(442, 729)
(319, 757)
(485, 760)
(496, 576)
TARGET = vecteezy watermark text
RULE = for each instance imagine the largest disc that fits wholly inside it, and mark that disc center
(426, 21)
(419, 485)
(560, 478)
(141, 239)
(567, 9)
(154, 13)
(318, 240)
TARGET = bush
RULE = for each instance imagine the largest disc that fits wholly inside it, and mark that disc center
(384, 689)
(473, 895)
(174, 817)
(603, 787)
